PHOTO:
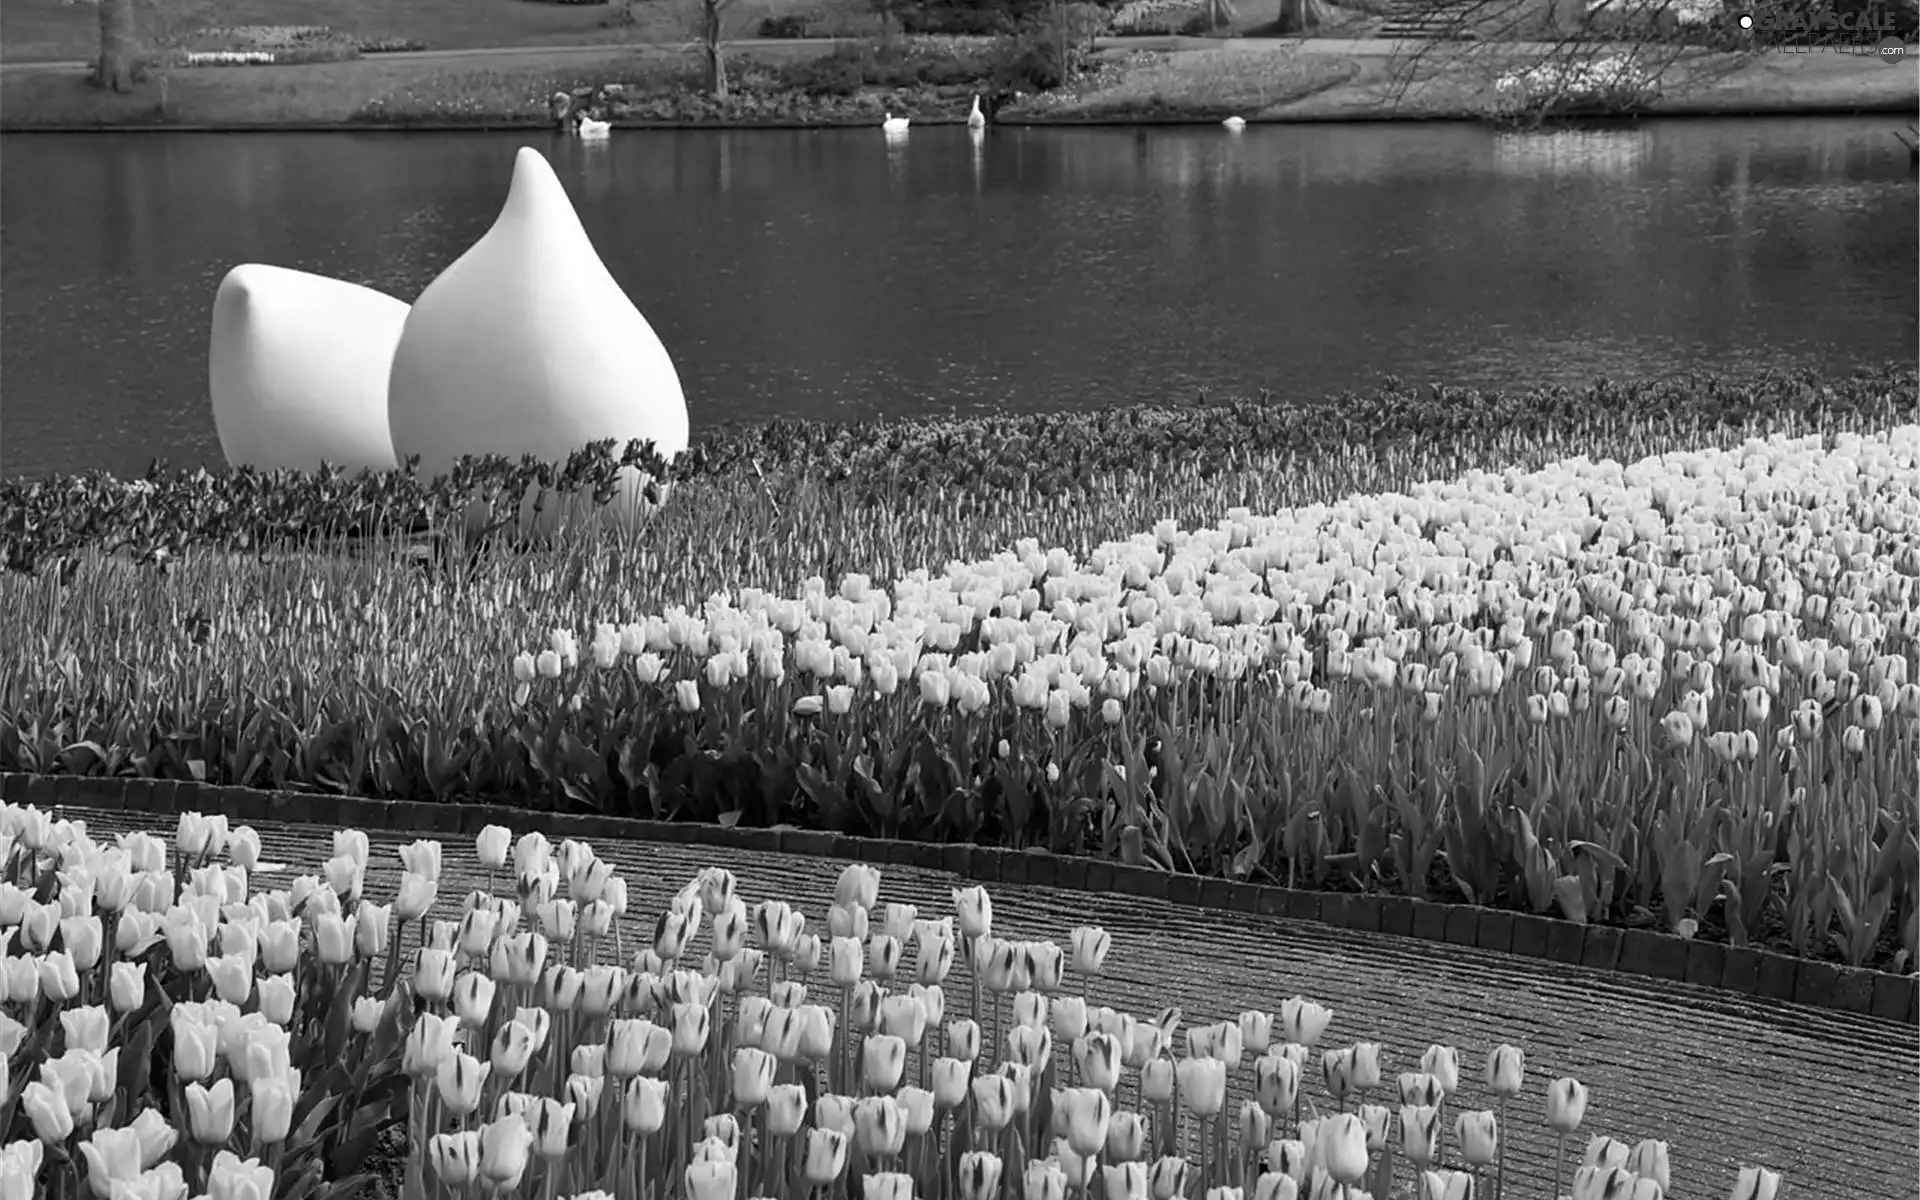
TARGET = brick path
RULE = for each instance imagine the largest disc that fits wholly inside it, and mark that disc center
(1827, 1098)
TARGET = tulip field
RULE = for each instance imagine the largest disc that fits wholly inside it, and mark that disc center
(1637, 656)
(183, 1019)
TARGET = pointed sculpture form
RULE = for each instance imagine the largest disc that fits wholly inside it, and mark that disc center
(526, 345)
(297, 370)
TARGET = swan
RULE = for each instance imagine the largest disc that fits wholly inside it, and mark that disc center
(1235, 124)
(590, 128)
(894, 124)
(976, 119)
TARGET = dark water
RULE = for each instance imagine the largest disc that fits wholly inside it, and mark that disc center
(832, 275)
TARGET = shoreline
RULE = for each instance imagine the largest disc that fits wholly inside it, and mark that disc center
(1264, 81)
(1679, 110)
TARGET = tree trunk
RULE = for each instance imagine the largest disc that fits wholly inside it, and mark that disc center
(715, 54)
(1299, 16)
(118, 46)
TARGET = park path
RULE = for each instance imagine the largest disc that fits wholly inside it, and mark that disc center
(1825, 1097)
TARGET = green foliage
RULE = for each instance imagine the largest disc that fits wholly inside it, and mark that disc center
(898, 65)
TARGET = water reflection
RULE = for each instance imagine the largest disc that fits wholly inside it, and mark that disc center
(1572, 151)
(1024, 269)
(897, 157)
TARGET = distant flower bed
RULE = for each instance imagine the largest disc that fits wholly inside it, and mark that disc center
(1614, 83)
(229, 58)
(283, 45)
(1151, 16)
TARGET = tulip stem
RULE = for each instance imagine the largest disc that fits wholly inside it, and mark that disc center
(1559, 1161)
(1500, 1168)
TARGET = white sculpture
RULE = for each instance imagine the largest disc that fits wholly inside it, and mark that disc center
(527, 345)
(297, 370)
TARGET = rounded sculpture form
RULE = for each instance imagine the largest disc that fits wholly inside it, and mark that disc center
(297, 369)
(527, 345)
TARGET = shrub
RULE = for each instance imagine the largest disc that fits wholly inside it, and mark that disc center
(847, 69)
(389, 45)
(789, 25)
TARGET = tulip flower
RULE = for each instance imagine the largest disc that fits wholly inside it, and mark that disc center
(1756, 1183)
(963, 1040)
(786, 1109)
(1203, 1085)
(1506, 1070)
(429, 1042)
(752, 1076)
(512, 1048)
(888, 1185)
(210, 1112)
(505, 1146)
(1340, 1146)
(459, 1079)
(112, 1154)
(127, 986)
(1446, 1185)
(550, 1123)
(1087, 1112)
(1090, 946)
(271, 1101)
(1303, 1022)
(994, 1101)
(643, 1105)
(1167, 1178)
(880, 1127)
(1156, 1081)
(1275, 1186)
(825, 1157)
(196, 1046)
(1479, 1134)
(1649, 1160)
(1044, 1180)
(455, 1157)
(979, 1175)
(492, 845)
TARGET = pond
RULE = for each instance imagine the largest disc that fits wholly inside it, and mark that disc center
(832, 274)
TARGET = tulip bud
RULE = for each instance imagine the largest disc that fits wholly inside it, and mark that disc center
(1479, 1134)
(1156, 1081)
(1506, 1070)
(825, 1158)
(1566, 1104)
(1168, 1178)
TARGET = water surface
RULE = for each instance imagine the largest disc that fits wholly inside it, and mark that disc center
(833, 274)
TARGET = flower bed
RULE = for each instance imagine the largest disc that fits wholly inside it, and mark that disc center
(178, 1028)
(1679, 693)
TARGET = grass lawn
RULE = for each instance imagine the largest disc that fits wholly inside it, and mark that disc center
(329, 93)
(1198, 83)
(50, 31)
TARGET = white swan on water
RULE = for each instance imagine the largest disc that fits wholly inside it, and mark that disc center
(894, 124)
(1235, 124)
(590, 128)
(976, 119)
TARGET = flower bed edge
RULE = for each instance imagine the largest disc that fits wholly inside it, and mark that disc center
(1642, 952)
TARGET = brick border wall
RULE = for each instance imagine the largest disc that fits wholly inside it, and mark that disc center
(1751, 972)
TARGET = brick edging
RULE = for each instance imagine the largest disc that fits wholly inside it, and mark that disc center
(1643, 952)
